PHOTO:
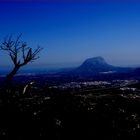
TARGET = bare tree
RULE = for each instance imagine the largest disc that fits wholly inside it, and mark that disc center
(19, 53)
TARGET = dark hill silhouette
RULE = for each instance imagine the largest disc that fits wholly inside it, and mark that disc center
(137, 71)
(95, 68)
(97, 65)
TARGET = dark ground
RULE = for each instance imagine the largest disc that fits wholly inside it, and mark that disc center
(64, 115)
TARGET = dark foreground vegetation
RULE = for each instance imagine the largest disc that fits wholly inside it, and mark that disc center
(67, 115)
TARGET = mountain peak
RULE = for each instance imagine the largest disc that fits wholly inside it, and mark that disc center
(97, 59)
(97, 66)
(94, 65)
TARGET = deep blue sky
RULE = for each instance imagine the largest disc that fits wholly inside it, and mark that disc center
(70, 31)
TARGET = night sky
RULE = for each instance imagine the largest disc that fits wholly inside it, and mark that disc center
(72, 31)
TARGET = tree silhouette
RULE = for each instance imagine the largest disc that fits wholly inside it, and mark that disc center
(19, 53)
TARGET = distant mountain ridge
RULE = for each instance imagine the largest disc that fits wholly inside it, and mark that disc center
(97, 65)
(95, 68)
(137, 70)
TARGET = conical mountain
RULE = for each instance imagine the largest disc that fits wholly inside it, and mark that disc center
(97, 65)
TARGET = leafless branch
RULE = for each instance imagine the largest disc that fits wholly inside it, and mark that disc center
(17, 48)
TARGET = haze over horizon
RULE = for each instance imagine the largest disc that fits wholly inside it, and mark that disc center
(72, 32)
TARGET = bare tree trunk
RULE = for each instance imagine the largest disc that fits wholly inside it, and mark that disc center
(10, 76)
(20, 55)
